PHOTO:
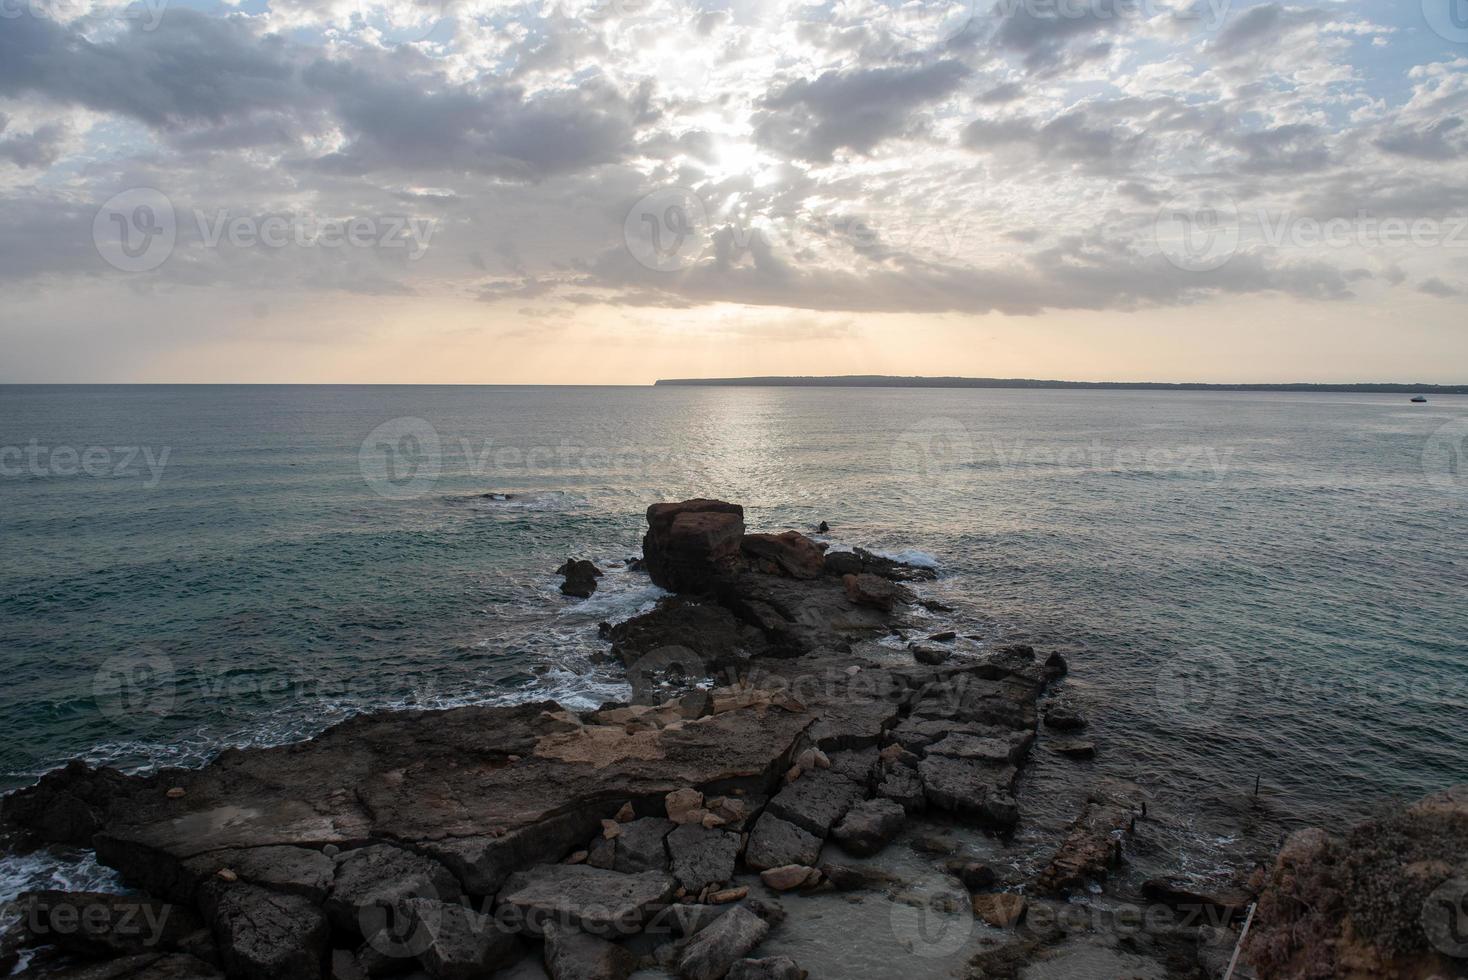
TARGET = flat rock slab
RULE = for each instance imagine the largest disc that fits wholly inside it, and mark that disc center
(379, 877)
(590, 899)
(639, 846)
(715, 949)
(775, 843)
(458, 943)
(299, 870)
(573, 955)
(815, 801)
(970, 788)
(702, 857)
(869, 826)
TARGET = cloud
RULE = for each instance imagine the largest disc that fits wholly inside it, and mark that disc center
(1436, 287)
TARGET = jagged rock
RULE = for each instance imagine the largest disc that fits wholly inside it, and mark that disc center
(815, 801)
(1092, 845)
(380, 876)
(690, 545)
(683, 640)
(591, 899)
(702, 857)
(1064, 717)
(103, 925)
(297, 870)
(581, 576)
(969, 787)
(1002, 910)
(789, 877)
(790, 553)
(640, 846)
(457, 942)
(770, 968)
(855, 878)
(869, 826)
(975, 875)
(1056, 666)
(904, 787)
(869, 590)
(842, 563)
(1073, 748)
(961, 746)
(684, 806)
(573, 955)
(711, 953)
(947, 636)
(265, 935)
(857, 765)
(776, 842)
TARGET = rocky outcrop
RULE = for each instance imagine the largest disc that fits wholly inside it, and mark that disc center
(1389, 898)
(590, 899)
(715, 949)
(690, 545)
(790, 553)
(265, 935)
(1093, 844)
(581, 576)
(573, 955)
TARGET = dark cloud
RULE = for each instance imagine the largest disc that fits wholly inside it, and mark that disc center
(1293, 149)
(1262, 28)
(1436, 287)
(39, 148)
(1443, 140)
(1071, 137)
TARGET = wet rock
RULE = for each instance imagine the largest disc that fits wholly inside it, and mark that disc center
(869, 826)
(711, 953)
(1073, 748)
(69, 805)
(458, 943)
(776, 842)
(857, 878)
(380, 876)
(934, 844)
(690, 545)
(702, 857)
(640, 846)
(842, 563)
(296, 870)
(1056, 665)
(581, 576)
(790, 553)
(573, 955)
(770, 968)
(929, 655)
(789, 877)
(869, 590)
(265, 935)
(975, 875)
(591, 899)
(947, 636)
(815, 801)
(681, 641)
(961, 746)
(971, 788)
(1091, 846)
(1002, 910)
(1064, 717)
(823, 528)
(1197, 907)
(104, 925)
(141, 966)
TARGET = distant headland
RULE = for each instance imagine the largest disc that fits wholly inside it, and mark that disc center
(893, 381)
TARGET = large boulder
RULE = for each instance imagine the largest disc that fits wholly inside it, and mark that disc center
(775, 843)
(590, 899)
(299, 870)
(690, 545)
(370, 879)
(639, 846)
(869, 590)
(1092, 845)
(581, 576)
(702, 856)
(790, 553)
(869, 826)
(265, 935)
(815, 801)
(680, 642)
(573, 955)
(714, 950)
(456, 942)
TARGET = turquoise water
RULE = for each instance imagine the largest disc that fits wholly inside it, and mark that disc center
(1254, 585)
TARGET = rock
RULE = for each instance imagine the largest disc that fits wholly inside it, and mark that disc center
(903, 786)
(702, 857)
(711, 953)
(373, 878)
(857, 765)
(869, 590)
(297, 870)
(975, 875)
(790, 553)
(1073, 748)
(1056, 666)
(639, 846)
(1214, 908)
(856, 878)
(770, 968)
(591, 899)
(789, 877)
(573, 955)
(823, 528)
(265, 935)
(581, 576)
(1063, 717)
(1091, 847)
(934, 844)
(376, 964)
(691, 545)
(961, 746)
(103, 925)
(1002, 910)
(815, 801)
(684, 806)
(681, 641)
(456, 942)
(947, 636)
(176, 792)
(577, 857)
(843, 563)
(345, 966)
(141, 966)
(869, 826)
(776, 842)
(932, 656)
(969, 787)
(728, 895)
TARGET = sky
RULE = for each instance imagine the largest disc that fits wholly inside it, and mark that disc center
(613, 191)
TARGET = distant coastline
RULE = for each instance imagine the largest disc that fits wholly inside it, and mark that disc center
(894, 381)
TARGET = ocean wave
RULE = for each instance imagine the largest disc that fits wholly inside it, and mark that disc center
(908, 556)
(514, 500)
(64, 869)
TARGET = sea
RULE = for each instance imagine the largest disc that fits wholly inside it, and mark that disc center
(1263, 597)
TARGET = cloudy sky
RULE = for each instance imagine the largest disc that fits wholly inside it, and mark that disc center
(611, 191)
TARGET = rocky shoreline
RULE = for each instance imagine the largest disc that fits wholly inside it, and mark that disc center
(771, 754)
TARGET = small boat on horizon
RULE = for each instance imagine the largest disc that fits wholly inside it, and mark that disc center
(1420, 399)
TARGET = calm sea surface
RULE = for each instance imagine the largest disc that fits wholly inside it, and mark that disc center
(1250, 585)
